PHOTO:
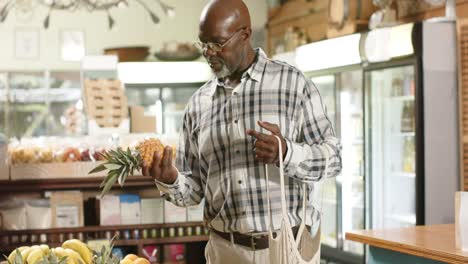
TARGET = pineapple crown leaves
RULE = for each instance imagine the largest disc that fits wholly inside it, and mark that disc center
(120, 164)
(106, 256)
(53, 259)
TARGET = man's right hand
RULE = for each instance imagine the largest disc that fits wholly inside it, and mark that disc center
(162, 168)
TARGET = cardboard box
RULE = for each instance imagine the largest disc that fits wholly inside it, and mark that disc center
(103, 211)
(67, 209)
(152, 211)
(139, 123)
(130, 209)
(62, 170)
(109, 210)
(195, 213)
(174, 214)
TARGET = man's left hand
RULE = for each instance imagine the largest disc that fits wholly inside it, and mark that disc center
(267, 146)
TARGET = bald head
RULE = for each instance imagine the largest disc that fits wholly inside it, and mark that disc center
(225, 15)
(225, 30)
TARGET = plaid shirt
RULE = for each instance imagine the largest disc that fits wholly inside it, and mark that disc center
(216, 160)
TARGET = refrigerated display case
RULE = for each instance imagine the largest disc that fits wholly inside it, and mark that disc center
(393, 134)
(411, 128)
(34, 103)
(392, 138)
(394, 113)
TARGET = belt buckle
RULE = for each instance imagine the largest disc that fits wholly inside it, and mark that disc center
(253, 236)
(252, 242)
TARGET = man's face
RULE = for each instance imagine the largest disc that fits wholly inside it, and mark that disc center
(222, 50)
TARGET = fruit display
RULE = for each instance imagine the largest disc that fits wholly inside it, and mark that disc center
(54, 149)
(72, 149)
(122, 163)
(72, 251)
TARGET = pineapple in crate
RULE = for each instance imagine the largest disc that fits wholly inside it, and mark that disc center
(123, 163)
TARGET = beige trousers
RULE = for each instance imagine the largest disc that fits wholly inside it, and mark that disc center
(220, 251)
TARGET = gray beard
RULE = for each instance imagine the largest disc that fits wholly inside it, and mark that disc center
(223, 73)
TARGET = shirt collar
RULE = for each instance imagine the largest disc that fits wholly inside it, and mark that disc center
(255, 72)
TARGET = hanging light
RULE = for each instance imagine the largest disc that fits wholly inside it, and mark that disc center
(90, 6)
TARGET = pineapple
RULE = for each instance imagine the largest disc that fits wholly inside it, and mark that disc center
(122, 163)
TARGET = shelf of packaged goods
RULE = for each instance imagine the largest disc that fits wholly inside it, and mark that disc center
(67, 184)
(56, 236)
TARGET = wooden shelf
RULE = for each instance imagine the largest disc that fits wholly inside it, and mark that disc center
(64, 184)
(165, 240)
(54, 237)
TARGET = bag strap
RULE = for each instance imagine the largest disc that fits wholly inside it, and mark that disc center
(326, 152)
(283, 193)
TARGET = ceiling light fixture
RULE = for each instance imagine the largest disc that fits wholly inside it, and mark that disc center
(89, 5)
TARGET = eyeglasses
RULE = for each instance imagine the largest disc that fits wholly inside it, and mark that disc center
(216, 47)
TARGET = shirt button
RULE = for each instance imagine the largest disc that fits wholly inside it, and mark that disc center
(243, 213)
(235, 121)
(240, 182)
(234, 93)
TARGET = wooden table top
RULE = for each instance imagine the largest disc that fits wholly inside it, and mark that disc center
(435, 242)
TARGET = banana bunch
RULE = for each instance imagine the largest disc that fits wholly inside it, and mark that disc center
(75, 245)
(72, 251)
(32, 255)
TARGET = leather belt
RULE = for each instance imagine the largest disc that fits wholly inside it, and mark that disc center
(252, 241)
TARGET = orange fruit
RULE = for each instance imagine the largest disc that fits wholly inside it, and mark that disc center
(141, 261)
(131, 257)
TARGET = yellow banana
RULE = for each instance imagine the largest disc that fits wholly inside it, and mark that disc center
(45, 249)
(74, 256)
(25, 253)
(12, 256)
(81, 248)
(60, 253)
(35, 256)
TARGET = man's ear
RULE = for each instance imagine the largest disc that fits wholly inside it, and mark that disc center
(247, 33)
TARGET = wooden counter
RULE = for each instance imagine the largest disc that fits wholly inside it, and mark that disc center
(435, 242)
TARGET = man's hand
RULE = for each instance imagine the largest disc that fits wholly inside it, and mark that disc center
(162, 169)
(267, 146)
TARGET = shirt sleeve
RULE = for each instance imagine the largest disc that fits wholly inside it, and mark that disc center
(186, 190)
(317, 153)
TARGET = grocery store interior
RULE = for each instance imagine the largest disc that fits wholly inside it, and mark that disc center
(82, 78)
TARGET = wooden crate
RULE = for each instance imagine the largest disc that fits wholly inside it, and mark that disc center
(105, 102)
(67, 170)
